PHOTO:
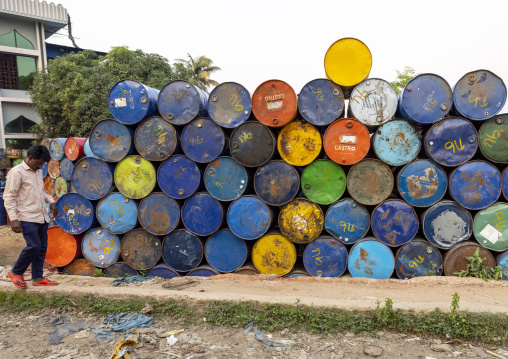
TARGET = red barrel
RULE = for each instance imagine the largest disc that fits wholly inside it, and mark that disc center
(63, 247)
(274, 103)
(74, 148)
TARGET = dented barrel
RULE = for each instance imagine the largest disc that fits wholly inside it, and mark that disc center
(394, 222)
(347, 220)
(396, 142)
(182, 250)
(229, 105)
(252, 144)
(117, 213)
(54, 168)
(490, 228)
(299, 143)
(225, 179)
(111, 140)
(455, 259)
(101, 247)
(57, 148)
(274, 103)
(418, 258)
(158, 214)
(274, 254)
(178, 177)
(323, 182)
(225, 252)
(66, 167)
(301, 221)
(325, 257)
(63, 247)
(203, 140)
(120, 269)
(155, 139)
(276, 183)
(370, 181)
(202, 214)
(140, 249)
(162, 271)
(74, 148)
(135, 177)
(321, 102)
(80, 267)
(346, 141)
(370, 258)
(180, 102)
(92, 178)
(76, 213)
(493, 139)
(249, 218)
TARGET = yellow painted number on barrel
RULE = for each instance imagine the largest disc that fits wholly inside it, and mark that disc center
(274, 254)
(452, 145)
(500, 224)
(414, 263)
(236, 102)
(477, 101)
(317, 259)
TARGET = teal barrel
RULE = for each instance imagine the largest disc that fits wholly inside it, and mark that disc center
(162, 271)
(276, 183)
(225, 252)
(158, 214)
(87, 149)
(120, 269)
(226, 179)
(396, 142)
(101, 247)
(370, 258)
(347, 220)
(418, 258)
(182, 250)
(325, 257)
(117, 213)
(140, 249)
(155, 139)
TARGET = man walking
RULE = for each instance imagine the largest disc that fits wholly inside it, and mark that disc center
(24, 199)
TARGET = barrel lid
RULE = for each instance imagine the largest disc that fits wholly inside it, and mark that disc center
(493, 138)
(61, 186)
(178, 177)
(180, 102)
(274, 103)
(301, 221)
(371, 258)
(396, 142)
(370, 181)
(225, 179)
(80, 267)
(225, 252)
(135, 177)
(321, 102)
(56, 148)
(162, 271)
(87, 149)
(155, 139)
(66, 167)
(229, 104)
(202, 214)
(299, 143)
(53, 168)
(182, 250)
(76, 213)
(418, 258)
(202, 271)
(62, 247)
(140, 249)
(373, 102)
(274, 254)
(101, 247)
(252, 144)
(158, 214)
(490, 228)
(92, 178)
(323, 182)
(325, 257)
(117, 213)
(203, 140)
(110, 140)
(347, 220)
(74, 147)
(276, 183)
(346, 141)
(129, 101)
(49, 186)
(248, 217)
(394, 222)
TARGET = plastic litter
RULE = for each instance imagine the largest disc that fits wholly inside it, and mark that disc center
(62, 327)
(259, 336)
(129, 280)
(123, 349)
(172, 340)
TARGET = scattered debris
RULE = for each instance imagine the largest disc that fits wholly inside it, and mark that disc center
(125, 321)
(147, 308)
(494, 354)
(124, 348)
(63, 327)
(174, 332)
(373, 351)
(129, 280)
(172, 340)
(441, 348)
(259, 336)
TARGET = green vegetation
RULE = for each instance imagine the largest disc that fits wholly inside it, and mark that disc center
(476, 268)
(198, 71)
(403, 78)
(476, 327)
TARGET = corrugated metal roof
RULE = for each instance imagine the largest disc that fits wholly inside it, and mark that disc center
(35, 9)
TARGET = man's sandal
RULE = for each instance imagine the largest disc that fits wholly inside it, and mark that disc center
(45, 282)
(17, 280)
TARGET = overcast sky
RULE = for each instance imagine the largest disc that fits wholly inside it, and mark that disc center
(254, 41)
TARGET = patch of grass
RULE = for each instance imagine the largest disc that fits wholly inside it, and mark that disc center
(484, 328)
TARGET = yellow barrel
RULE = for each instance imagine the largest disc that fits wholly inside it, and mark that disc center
(135, 177)
(348, 62)
(299, 143)
(274, 254)
(301, 221)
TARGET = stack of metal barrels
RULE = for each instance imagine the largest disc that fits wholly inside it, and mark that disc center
(180, 182)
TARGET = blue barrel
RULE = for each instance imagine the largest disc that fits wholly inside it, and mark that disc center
(447, 224)
(181, 102)
(276, 183)
(418, 258)
(120, 269)
(297, 272)
(158, 214)
(162, 271)
(202, 271)
(76, 214)
(101, 247)
(182, 250)
(396, 142)
(203, 140)
(451, 141)
(347, 220)
(155, 139)
(57, 148)
(229, 105)
(225, 252)
(370, 258)
(130, 101)
(475, 185)
(325, 257)
(52, 222)
(394, 222)
(422, 183)
(111, 141)
(44, 170)
(117, 213)
(3, 213)
(321, 102)
(225, 179)
(202, 214)
(504, 184)
(426, 99)
(92, 178)
(479, 95)
(179, 177)
(66, 167)
(502, 261)
(87, 149)
(249, 218)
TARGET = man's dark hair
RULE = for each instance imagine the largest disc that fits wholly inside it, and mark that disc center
(39, 151)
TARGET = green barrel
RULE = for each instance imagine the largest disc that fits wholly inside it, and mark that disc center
(490, 227)
(323, 182)
(493, 139)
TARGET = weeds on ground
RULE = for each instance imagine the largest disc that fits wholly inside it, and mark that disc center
(476, 268)
(99, 273)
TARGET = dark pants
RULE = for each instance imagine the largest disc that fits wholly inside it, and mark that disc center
(36, 237)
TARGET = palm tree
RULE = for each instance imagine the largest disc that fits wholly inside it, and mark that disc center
(199, 70)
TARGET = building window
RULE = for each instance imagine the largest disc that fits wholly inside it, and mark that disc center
(16, 72)
(21, 124)
(15, 39)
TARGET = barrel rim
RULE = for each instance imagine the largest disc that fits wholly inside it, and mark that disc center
(202, 267)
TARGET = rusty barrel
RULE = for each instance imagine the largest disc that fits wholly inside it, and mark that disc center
(252, 144)
(325, 257)
(320, 102)
(203, 140)
(56, 148)
(179, 177)
(49, 186)
(422, 183)
(299, 143)
(53, 168)
(418, 258)
(76, 213)
(6, 163)
(323, 182)
(140, 249)
(455, 259)
(225, 252)
(111, 140)
(276, 183)
(130, 101)
(370, 181)
(180, 102)
(490, 229)
(120, 269)
(247, 269)
(425, 99)
(373, 102)
(202, 214)
(347, 220)
(396, 142)
(135, 177)
(162, 271)
(229, 105)
(394, 222)
(274, 103)
(202, 271)
(451, 141)
(158, 214)
(447, 224)
(475, 184)
(226, 179)
(493, 139)
(74, 148)
(274, 254)
(66, 168)
(63, 247)
(301, 221)
(80, 267)
(101, 247)
(92, 178)
(155, 139)
(346, 141)
(62, 186)
(117, 213)
(249, 218)
(182, 250)
(370, 258)
(46, 142)
(479, 95)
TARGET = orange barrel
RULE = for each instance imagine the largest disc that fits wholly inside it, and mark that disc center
(49, 186)
(74, 148)
(140, 249)
(301, 221)
(274, 103)
(346, 141)
(370, 181)
(299, 143)
(455, 259)
(53, 168)
(80, 267)
(274, 254)
(120, 269)
(247, 269)
(63, 247)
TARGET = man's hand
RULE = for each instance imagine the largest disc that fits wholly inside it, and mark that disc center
(16, 226)
(54, 211)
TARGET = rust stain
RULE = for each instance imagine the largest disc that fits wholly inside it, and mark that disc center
(113, 140)
(416, 184)
(385, 215)
(159, 220)
(477, 178)
(216, 163)
(368, 271)
(364, 254)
